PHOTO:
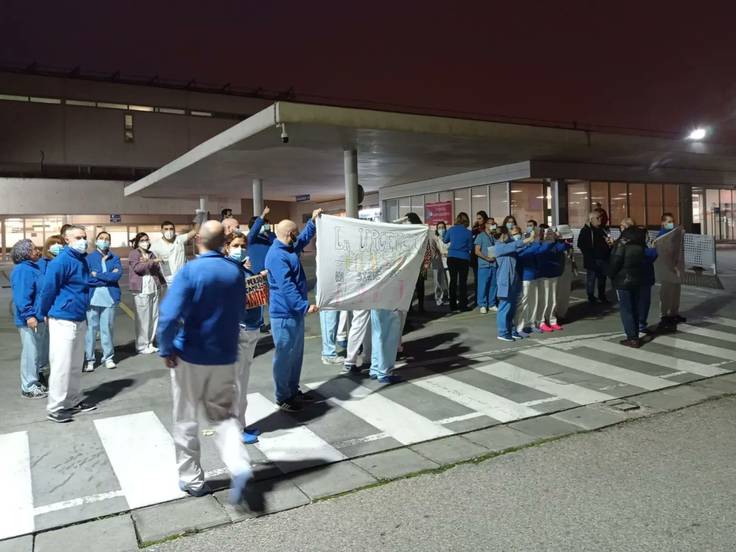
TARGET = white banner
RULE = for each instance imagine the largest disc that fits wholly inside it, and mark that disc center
(670, 262)
(367, 265)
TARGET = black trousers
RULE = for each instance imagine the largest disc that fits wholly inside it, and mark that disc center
(458, 282)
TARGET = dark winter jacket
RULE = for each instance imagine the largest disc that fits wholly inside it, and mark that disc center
(626, 267)
(593, 245)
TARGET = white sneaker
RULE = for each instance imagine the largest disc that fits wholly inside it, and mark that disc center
(151, 349)
(493, 309)
(483, 310)
(110, 363)
(89, 367)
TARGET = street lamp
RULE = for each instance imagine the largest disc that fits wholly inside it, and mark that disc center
(697, 134)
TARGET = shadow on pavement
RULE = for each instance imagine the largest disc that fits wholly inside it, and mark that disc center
(108, 390)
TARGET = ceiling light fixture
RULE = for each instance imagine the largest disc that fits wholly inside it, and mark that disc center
(697, 134)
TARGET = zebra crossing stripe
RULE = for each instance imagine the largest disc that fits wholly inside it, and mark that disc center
(142, 456)
(596, 368)
(527, 378)
(16, 506)
(722, 321)
(666, 361)
(397, 421)
(707, 332)
(695, 347)
(487, 403)
(293, 448)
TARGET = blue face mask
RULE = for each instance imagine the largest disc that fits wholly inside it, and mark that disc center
(517, 237)
(669, 225)
(102, 245)
(441, 232)
(510, 225)
(237, 254)
(80, 246)
(55, 249)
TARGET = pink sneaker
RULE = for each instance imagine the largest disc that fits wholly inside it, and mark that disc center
(545, 328)
(556, 327)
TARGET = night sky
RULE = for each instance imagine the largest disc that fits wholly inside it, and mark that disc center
(638, 65)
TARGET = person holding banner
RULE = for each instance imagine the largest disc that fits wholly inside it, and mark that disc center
(508, 277)
(288, 306)
(669, 267)
(247, 338)
(260, 240)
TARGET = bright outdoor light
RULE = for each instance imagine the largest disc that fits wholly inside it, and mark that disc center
(697, 134)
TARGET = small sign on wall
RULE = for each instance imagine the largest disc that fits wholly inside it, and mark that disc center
(114, 219)
(303, 197)
(440, 211)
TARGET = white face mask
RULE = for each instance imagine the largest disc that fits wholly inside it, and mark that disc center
(79, 245)
(169, 234)
(144, 245)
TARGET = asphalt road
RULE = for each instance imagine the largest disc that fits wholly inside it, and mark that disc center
(665, 483)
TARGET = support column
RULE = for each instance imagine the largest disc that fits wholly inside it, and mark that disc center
(257, 197)
(350, 158)
(558, 189)
(685, 191)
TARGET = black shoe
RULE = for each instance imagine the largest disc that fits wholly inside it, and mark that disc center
(60, 417)
(604, 300)
(633, 343)
(266, 328)
(680, 319)
(83, 407)
(290, 406)
(351, 369)
(592, 300)
(307, 397)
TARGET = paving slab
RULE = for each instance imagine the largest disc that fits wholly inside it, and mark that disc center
(332, 479)
(715, 387)
(394, 463)
(671, 399)
(545, 427)
(450, 450)
(499, 438)
(82, 512)
(113, 534)
(21, 544)
(187, 515)
(264, 497)
(591, 417)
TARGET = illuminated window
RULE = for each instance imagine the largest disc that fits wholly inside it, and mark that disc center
(637, 203)
(128, 134)
(578, 204)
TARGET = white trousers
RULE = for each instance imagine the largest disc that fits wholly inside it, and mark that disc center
(441, 289)
(247, 341)
(549, 304)
(146, 319)
(359, 335)
(66, 355)
(669, 299)
(343, 327)
(564, 286)
(528, 309)
(214, 388)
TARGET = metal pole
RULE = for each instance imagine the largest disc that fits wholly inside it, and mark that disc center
(350, 158)
(257, 197)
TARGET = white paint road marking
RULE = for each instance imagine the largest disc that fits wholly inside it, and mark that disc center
(401, 423)
(142, 456)
(527, 378)
(695, 347)
(666, 361)
(722, 321)
(293, 448)
(497, 407)
(76, 502)
(707, 332)
(16, 506)
(596, 368)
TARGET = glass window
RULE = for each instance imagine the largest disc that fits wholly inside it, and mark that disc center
(637, 203)
(479, 200)
(578, 204)
(499, 201)
(527, 202)
(619, 209)
(671, 200)
(391, 209)
(654, 204)
(404, 206)
(712, 212)
(118, 236)
(417, 205)
(445, 197)
(462, 203)
(431, 198)
(34, 230)
(599, 194)
(13, 232)
(727, 226)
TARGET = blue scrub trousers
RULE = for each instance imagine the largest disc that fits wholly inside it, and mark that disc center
(102, 319)
(385, 336)
(34, 345)
(288, 341)
(486, 291)
(328, 321)
(645, 301)
(507, 311)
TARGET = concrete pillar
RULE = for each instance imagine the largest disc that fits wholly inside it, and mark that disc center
(350, 158)
(257, 197)
(558, 189)
(685, 192)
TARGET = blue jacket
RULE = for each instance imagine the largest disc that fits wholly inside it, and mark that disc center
(108, 278)
(259, 244)
(550, 262)
(200, 314)
(647, 273)
(65, 293)
(529, 261)
(508, 273)
(460, 240)
(286, 276)
(26, 281)
(663, 231)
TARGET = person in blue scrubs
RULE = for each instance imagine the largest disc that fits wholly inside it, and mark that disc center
(486, 291)
(460, 240)
(508, 278)
(105, 270)
(260, 240)
(288, 307)
(25, 281)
